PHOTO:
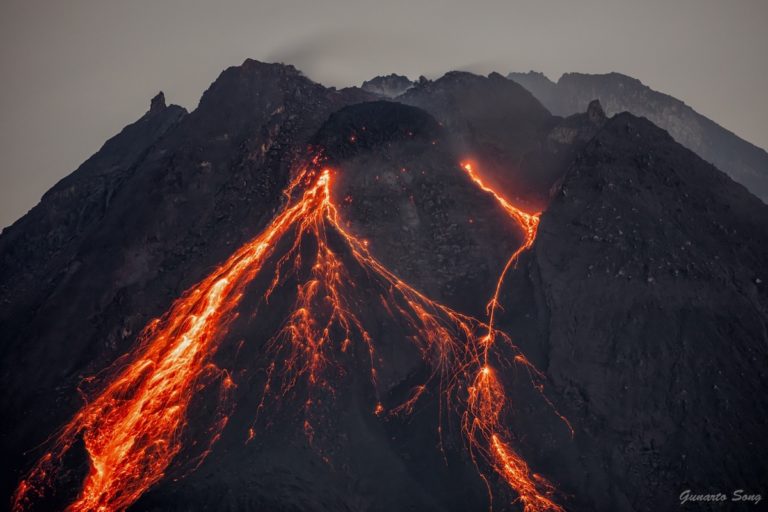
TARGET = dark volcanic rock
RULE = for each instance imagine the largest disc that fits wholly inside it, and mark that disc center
(114, 243)
(542, 87)
(651, 265)
(492, 114)
(542, 168)
(401, 187)
(418, 226)
(744, 162)
(388, 86)
(493, 121)
(31, 246)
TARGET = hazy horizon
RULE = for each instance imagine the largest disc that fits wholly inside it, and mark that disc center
(77, 72)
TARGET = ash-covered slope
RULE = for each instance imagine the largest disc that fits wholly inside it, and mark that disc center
(502, 127)
(166, 209)
(492, 114)
(31, 246)
(744, 162)
(649, 271)
(360, 459)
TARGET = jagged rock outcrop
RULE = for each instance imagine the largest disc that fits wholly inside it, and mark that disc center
(492, 120)
(34, 246)
(388, 86)
(520, 146)
(744, 162)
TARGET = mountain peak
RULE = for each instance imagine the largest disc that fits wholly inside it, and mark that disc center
(611, 77)
(158, 103)
(260, 66)
(743, 161)
(390, 86)
(595, 112)
(531, 74)
(253, 84)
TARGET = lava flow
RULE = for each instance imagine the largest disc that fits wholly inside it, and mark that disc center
(134, 428)
(481, 420)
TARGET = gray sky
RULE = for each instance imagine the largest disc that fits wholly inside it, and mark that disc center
(74, 72)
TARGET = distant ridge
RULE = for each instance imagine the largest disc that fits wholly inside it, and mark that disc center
(741, 160)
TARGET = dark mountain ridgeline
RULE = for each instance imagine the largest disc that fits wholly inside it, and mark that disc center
(744, 162)
(643, 299)
(79, 200)
(493, 120)
(389, 86)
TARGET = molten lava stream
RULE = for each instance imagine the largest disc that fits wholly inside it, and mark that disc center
(481, 421)
(133, 428)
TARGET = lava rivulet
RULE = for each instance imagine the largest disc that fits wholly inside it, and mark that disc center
(133, 429)
(481, 420)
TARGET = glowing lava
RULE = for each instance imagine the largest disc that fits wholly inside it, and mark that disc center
(134, 428)
(529, 223)
(481, 421)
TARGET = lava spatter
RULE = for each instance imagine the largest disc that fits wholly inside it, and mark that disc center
(133, 429)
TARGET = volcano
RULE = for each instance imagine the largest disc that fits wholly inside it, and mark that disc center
(428, 296)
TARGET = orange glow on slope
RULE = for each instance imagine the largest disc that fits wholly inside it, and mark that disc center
(481, 422)
(133, 429)
(529, 223)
